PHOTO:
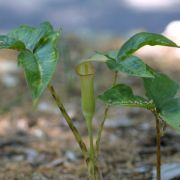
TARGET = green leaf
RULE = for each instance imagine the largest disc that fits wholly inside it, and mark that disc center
(170, 113)
(101, 57)
(96, 58)
(123, 95)
(132, 66)
(160, 88)
(141, 39)
(30, 36)
(112, 54)
(40, 65)
(38, 53)
(10, 43)
(32, 71)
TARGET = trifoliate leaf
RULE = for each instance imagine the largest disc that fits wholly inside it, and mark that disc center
(38, 53)
(40, 65)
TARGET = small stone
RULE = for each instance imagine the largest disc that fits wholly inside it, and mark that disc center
(71, 156)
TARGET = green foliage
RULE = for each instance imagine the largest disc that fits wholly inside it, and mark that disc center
(30, 36)
(162, 90)
(122, 95)
(98, 57)
(141, 39)
(38, 54)
(132, 65)
(10, 43)
(124, 61)
(170, 112)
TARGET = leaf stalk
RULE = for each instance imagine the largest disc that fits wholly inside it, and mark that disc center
(74, 130)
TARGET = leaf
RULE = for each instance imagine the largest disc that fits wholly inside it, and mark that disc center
(30, 36)
(112, 54)
(141, 39)
(32, 71)
(123, 95)
(160, 88)
(96, 58)
(10, 43)
(132, 66)
(170, 113)
(38, 53)
(40, 66)
(101, 57)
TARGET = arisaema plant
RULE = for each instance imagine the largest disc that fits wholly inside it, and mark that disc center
(38, 56)
(160, 90)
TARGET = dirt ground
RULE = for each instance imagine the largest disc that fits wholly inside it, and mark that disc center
(42, 147)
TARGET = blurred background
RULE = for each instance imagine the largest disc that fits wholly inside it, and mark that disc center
(95, 16)
(37, 143)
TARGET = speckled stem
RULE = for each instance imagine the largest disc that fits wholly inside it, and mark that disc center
(69, 122)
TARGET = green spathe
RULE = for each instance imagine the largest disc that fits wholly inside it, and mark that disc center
(86, 73)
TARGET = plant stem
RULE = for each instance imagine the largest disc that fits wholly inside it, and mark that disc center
(92, 160)
(69, 122)
(104, 119)
(101, 129)
(115, 78)
(158, 148)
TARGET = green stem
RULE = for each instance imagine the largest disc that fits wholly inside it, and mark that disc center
(92, 155)
(69, 122)
(99, 134)
(101, 129)
(115, 78)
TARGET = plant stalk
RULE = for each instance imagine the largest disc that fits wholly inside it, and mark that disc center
(99, 134)
(101, 129)
(158, 149)
(74, 130)
(92, 156)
